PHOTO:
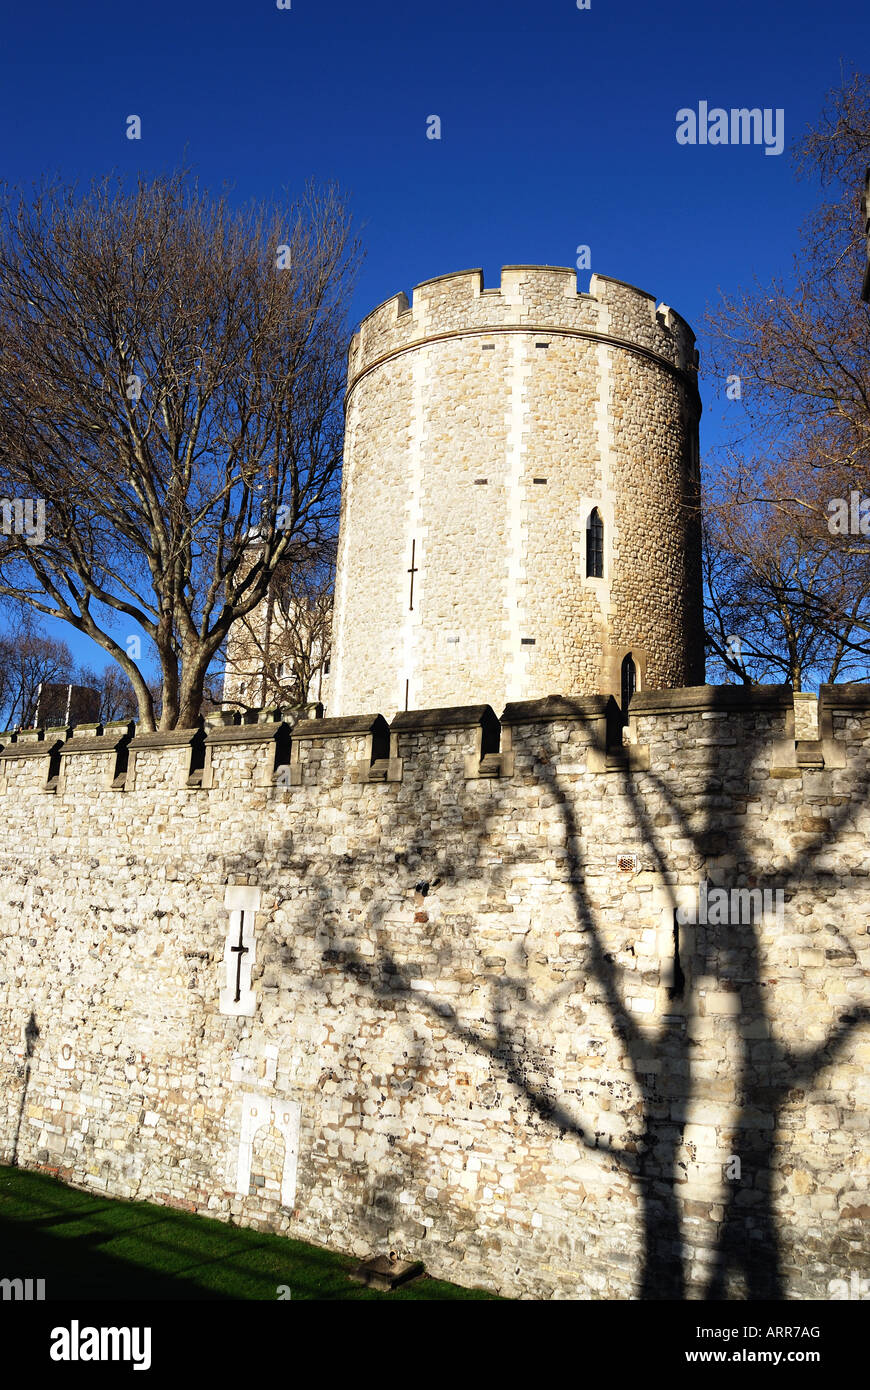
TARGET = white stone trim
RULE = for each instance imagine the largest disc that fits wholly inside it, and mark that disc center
(278, 1113)
(606, 501)
(338, 648)
(242, 902)
(516, 656)
(414, 531)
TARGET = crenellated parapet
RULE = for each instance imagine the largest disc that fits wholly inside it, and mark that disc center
(749, 731)
(527, 299)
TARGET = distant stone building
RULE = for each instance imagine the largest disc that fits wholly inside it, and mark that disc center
(59, 704)
(263, 659)
(279, 654)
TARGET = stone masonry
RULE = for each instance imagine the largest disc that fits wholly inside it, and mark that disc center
(483, 427)
(443, 986)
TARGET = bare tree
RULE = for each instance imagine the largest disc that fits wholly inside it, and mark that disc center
(171, 372)
(117, 696)
(767, 567)
(801, 352)
(28, 660)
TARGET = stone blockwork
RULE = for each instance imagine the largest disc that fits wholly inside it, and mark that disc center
(466, 1024)
(483, 427)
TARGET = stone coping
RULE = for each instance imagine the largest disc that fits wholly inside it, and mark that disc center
(35, 748)
(106, 738)
(38, 735)
(223, 734)
(751, 698)
(559, 707)
(222, 719)
(166, 738)
(448, 717)
(474, 275)
(850, 695)
(233, 718)
(339, 727)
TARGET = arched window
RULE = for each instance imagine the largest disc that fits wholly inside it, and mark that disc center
(594, 545)
(628, 684)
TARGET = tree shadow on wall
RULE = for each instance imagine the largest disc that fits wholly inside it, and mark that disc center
(767, 1074)
(31, 1033)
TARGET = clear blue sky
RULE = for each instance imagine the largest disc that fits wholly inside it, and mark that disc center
(558, 124)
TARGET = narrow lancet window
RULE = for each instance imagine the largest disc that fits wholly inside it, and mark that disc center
(595, 545)
(629, 684)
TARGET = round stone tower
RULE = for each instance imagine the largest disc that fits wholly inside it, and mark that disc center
(519, 500)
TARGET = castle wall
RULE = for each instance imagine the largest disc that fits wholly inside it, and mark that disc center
(463, 1030)
(482, 428)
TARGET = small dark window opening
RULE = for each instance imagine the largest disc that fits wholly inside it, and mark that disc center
(54, 765)
(282, 756)
(122, 762)
(380, 740)
(197, 757)
(678, 983)
(628, 684)
(594, 545)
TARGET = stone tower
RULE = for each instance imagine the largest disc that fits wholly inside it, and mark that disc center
(519, 506)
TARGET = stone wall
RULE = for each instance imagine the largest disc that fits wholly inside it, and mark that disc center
(483, 426)
(466, 1023)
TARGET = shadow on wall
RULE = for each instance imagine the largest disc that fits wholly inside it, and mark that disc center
(31, 1033)
(747, 1260)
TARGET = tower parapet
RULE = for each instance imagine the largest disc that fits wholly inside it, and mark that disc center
(527, 297)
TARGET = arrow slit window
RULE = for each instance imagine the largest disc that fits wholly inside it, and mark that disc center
(594, 545)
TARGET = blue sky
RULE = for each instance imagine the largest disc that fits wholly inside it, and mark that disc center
(557, 125)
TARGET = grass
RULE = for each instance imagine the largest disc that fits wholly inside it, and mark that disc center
(90, 1247)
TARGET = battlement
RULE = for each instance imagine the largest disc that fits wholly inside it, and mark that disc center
(706, 727)
(531, 298)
